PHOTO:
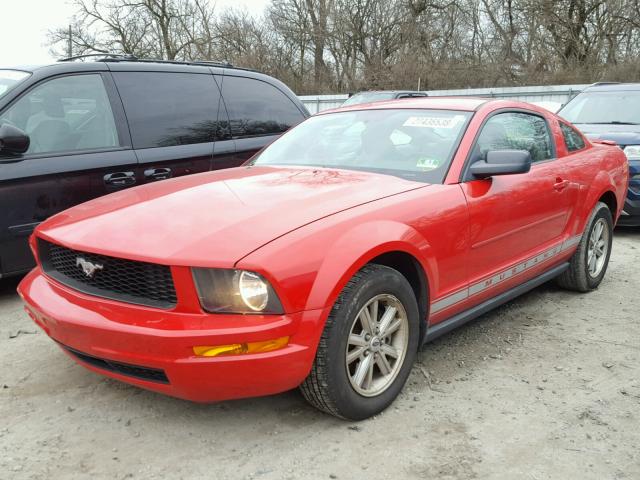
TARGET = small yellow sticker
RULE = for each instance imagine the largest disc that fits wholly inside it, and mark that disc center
(427, 163)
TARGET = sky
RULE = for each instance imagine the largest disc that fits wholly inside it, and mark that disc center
(25, 23)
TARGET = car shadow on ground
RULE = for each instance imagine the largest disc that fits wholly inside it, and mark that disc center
(627, 232)
(8, 286)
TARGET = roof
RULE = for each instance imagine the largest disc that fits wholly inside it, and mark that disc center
(444, 103)
(111, 62)
(385, 91)
(613, 87)
(141, 65)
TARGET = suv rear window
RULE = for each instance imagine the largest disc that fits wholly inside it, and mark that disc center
(256, 108)
(166, 109)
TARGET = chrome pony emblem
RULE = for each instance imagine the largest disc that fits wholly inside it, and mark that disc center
(88, 268)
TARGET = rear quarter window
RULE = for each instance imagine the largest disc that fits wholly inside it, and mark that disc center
(167, 109)
(257, 108)
(572, 139)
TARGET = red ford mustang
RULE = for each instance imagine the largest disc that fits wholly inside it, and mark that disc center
(332, 256)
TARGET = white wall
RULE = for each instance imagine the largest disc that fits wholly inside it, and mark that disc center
(548, 93)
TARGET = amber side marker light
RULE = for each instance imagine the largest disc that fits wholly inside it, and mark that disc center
(240, 348)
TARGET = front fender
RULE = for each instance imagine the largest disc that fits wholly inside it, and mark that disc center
(356, 247)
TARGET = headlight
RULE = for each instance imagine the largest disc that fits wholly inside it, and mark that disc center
(632, 152)
(235, 291)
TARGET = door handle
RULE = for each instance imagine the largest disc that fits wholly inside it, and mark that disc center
(157, 174)
(120, 179)
(560, 184)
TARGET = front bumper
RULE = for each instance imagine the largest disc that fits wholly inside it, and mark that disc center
(127, 342)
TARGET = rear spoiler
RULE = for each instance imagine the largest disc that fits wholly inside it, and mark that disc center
(611, 143)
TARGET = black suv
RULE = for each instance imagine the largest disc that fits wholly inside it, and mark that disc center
(73, 131)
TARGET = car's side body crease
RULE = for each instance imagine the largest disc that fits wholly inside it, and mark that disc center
(488, 305)
(492, 281)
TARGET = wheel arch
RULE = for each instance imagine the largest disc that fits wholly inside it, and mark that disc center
(602, 189)
(412, 270)
(388, 243)
(610, 200)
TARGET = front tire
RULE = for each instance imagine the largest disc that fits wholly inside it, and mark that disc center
(368, 346)
(588, 264)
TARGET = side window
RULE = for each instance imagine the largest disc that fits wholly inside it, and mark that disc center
(256, 108)
(572, 139)
(166, 109)
(65, 114)
(515, 131)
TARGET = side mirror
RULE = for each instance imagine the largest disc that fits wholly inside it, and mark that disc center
(13, 140)
(502, 162)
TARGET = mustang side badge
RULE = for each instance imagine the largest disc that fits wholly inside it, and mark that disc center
(88, 268)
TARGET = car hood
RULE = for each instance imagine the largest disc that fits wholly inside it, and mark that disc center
(216, 218)
(623, 135)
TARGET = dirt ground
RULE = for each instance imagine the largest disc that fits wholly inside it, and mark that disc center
(545, 387)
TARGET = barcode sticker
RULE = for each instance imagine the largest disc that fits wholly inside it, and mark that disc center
(433, 122)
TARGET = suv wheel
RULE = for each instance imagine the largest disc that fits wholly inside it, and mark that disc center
(368, 346)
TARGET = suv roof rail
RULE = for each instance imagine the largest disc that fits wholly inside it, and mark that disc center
(208, 63)
(118, 57)
(105, 56)
(600, 84)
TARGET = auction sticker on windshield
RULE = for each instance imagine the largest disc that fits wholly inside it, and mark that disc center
(434, 122)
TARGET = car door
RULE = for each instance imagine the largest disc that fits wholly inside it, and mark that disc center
(516, 222)
(257, 112)
(173, 120)
(78, 140)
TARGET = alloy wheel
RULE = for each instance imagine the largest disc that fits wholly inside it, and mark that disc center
(597, 248)
(377, 345)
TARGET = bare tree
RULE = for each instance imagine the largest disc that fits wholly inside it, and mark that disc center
(321, 46)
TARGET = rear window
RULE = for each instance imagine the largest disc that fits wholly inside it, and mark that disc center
(256, 108)
(9, 79)
(166, 109)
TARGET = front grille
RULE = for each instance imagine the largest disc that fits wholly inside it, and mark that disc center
(135, 371)
(118, 279)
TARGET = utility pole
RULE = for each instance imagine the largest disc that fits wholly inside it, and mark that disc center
(69, 44)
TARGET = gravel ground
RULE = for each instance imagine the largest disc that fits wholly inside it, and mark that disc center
(545, 387)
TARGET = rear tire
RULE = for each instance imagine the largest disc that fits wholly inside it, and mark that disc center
(368, 346)
(588, 264)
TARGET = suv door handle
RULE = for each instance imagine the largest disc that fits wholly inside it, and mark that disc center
(157, 174)
(120, 179)
(560, 184)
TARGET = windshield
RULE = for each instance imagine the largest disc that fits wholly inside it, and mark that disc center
(369, 97)
(409, 143)
(9, 79)
(621, 107)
